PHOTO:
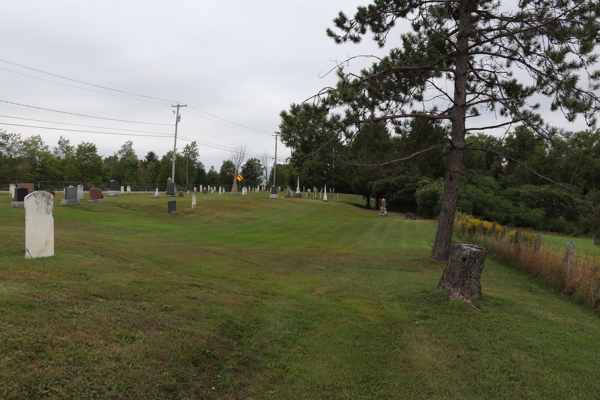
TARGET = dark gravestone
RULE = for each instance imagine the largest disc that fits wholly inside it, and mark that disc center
(204, 191)
(70, 197)
(180, 194)
(28, 186)
(95, 194)
(71, 193)
(114, 185)
(170, 189)
(172, 207)
(21, 193)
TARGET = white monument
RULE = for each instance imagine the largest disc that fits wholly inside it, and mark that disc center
(39, 225)
(79, 192)
(128, 189)
(156, 195)
(193, 200)
(325, 194)
(122, 190)
(11, 190)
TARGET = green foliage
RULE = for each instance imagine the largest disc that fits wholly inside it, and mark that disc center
(429, 199)
(226, 173)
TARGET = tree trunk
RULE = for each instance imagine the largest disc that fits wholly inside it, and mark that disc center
(443, 237)
(463, 273)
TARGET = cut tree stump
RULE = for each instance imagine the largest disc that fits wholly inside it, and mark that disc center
(462, 275)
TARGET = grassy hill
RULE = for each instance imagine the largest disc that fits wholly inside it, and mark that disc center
(251, 298)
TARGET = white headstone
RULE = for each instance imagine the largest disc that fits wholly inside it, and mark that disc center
(12, 189)
(128, 189)
(244, 191)
(156, 195)
(122, 189)
(39, 225)
(298, 186)
(188, 192)
(79, 192)
(325, 194)
(193, 200)
(194, 189)
(200, 188)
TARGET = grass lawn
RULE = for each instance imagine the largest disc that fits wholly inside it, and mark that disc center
(251, 298)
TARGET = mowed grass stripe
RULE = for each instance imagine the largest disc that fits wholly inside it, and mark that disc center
(271, 299)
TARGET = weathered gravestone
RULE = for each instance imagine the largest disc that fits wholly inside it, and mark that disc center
(194, 189)
(39, 225)
(128, 189)
(244, 191)
(28, 186)
(79, 192)
(383, 208)
(289, 193)
(20, 194)
(172, 207)
(204, 191)
(156, 195)
(113, 188)
(180, 193)
(298, 194)
(95, 195)
(325, 194)
(11, 189)
(122, 190)
(194, 200)
(70, 197)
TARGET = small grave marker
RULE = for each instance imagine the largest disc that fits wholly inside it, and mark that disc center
(172, 207)
(95, 195)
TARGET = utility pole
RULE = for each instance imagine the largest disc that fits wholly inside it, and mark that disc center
(177, 119)
(274, 193)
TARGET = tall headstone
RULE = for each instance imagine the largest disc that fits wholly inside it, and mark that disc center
(188, 191)
(298, 194)
(20, 194)
(95, 195)
(325, 195)
(172, 207)
(128, 189)
(39, 225)
(113, 188)
(244, 191)
(194, 189)
(80, 192)
(273, 194)
(383, 208)
(122, 190)
(11, 188)
(156, 195)
(170, 188)
(289, 193)
(194, 200)
(70, 197)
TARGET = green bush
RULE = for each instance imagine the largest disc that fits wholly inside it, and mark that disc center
(429, 199)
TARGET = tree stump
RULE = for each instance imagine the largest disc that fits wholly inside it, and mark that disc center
(462, 275)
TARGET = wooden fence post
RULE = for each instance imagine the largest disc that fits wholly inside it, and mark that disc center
(493, 231)
(481, 228)
(505, 232)
(569, 255)
(538, 243)
(518, 240)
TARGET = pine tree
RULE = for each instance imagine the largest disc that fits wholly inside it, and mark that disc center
(465, 56)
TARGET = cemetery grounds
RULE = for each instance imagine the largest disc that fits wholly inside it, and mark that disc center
(250, 298)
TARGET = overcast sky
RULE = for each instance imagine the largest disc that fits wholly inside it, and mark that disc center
(240, 61)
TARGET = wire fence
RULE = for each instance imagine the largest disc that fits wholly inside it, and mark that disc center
(569, 270)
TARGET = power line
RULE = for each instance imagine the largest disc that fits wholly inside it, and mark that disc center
(220, 147)
(86, 126)
(78, 81)
(223, 119)
(77, 130)
(77, 87)
(239, 126)
(82, 115)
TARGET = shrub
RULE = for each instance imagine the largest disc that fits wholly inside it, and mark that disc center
(429, 199)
